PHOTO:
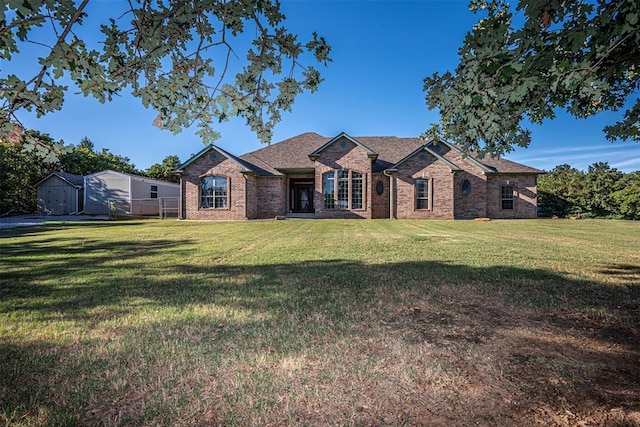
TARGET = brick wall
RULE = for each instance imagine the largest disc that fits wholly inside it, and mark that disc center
(343, 154)
(424, 165)
(524, 197)
(271, 199)
(236, 188)
(474, 204)
(251, 196)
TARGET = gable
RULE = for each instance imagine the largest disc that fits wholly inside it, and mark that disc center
(423, 154)
(343, 140)
(215, 154)
(76, 181)
(298, 154)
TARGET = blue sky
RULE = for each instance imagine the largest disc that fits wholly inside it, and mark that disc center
(382, 50)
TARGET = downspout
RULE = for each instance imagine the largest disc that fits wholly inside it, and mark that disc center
(390, 173)
(180, 207)
(246, 195)
(130, 196)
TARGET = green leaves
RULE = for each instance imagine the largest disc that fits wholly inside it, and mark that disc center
(573, 55)
(602, 191)
(164, 53)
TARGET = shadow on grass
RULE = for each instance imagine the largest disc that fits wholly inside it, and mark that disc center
(285, 309)
(46, 227)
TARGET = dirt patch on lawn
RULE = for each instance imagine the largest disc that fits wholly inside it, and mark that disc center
(529, 366)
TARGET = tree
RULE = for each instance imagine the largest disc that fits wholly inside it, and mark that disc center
(165, 169)
(579, 55)
(20, 170)
(560, 191)
(601, 192)
(628, 198)
(84, 160)
(164, 51)
(600, 183)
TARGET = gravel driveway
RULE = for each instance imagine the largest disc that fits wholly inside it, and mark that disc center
(32, 220)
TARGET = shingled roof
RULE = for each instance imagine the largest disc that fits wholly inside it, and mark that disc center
(293, 154)
(72, 179)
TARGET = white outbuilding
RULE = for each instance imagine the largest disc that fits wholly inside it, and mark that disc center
(108, 192)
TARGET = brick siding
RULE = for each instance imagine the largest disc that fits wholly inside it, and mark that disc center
(424, 165)
(343, 154)
(271, 198)
(474, 204)
(236, 189)
(524, 197)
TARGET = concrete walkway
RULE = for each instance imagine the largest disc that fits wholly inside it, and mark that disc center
(33, 220)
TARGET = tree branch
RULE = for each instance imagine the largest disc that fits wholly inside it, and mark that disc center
(37, 80)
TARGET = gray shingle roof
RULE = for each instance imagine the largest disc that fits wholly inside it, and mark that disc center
(73, 180)
(293, 154)
(507, 166)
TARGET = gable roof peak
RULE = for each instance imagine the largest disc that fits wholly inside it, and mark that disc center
(370, 153)
(246, 167)
(425, 148)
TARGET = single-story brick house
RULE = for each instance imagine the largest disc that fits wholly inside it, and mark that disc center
(354, 177)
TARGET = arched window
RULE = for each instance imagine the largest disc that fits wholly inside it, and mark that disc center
(213, 192)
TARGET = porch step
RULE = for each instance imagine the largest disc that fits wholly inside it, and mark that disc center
(300, 215)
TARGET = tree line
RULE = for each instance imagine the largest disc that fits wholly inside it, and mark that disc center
(600, 192)
(21, 168)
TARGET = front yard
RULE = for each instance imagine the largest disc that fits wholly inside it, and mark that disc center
(321, 322)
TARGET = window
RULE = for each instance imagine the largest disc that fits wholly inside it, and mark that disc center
(465, 187)
(356, 190)
(506, 194)
(379, 188)
(343, 189)
(422, 193)
(213, 192)
(328, 190)
(154, 191)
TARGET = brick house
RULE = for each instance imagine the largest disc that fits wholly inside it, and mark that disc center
(345, 177)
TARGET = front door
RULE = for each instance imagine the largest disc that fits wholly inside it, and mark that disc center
(302, 196)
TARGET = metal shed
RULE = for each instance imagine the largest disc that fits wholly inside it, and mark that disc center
(60, 193)
(108, 192)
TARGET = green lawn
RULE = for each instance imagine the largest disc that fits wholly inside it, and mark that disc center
(315, 322)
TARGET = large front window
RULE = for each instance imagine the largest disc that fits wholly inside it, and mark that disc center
(422, 193)
(213, 192)
(342, 189)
